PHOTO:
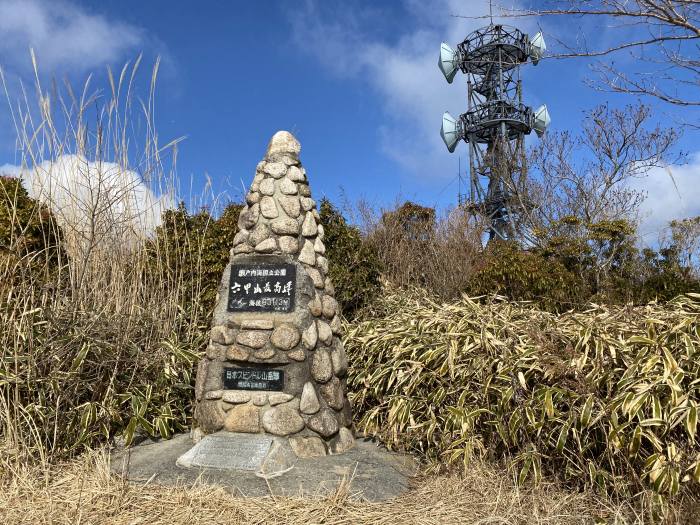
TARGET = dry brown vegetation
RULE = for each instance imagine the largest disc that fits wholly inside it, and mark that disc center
(84, 491)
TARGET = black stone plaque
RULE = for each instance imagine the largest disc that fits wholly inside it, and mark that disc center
(253, 379)
(262, 287)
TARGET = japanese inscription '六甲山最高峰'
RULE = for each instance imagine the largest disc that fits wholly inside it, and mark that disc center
(262, 287)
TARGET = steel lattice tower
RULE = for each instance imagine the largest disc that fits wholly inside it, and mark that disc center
(495, 123)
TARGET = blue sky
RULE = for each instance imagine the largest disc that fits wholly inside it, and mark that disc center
(355, 81)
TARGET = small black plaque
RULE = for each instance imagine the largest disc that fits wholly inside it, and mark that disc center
(253, 379)
(262, 287)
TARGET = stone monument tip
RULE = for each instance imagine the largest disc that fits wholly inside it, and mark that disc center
(283, 143)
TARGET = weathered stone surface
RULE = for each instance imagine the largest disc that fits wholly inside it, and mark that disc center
(278, 398)
(307, 204)
(285, 226)
(310, 337)
(324, 332)
(283, 143)
(321, 232)
(319, 247)
(288, 244)
(329, 286)
(259, 234)
(330, 306)
(304, 190)
(222, 335)
(266, 246)
(265, 353)
(235, 396)
(307, 446)
(317, 279)
(297, 355)
(253, 338)
(291, 206)
(324, 423)
(243, 418)
(336, 325)
(202, 368)
(309, 401)
(241, 236)
(267, 187)
(275, 169)
(339, 359)
(344, 442)
(215, 351)
(285, 336)
(307, 254)
(237, 353)
(252, 197)
(295, 174)
(249, 217)
(242, 248)
(210, 416)
(214, 377)
(257, 324)
(287, 187)
(213, 394)
(309, 228)
(259, 399)
(332, 392)
(322, 264)
(268, 208)
(282, 420)
(315, 306)
(321, 366)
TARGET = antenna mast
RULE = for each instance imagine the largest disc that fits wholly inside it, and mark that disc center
(495, 123)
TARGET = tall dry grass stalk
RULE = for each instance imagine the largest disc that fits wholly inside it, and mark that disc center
(93, 333)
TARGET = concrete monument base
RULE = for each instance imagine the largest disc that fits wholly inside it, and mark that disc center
(255, 465)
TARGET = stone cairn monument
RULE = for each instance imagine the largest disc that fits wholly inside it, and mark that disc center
(275, 365)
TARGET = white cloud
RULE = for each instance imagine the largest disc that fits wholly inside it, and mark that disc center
(672, 193)
(402, 68)
(82, 194)
(63, 35)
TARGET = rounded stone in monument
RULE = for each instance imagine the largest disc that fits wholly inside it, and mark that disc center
(285, 226)
(253, 338)
(283, 142)
(275, 169)
(282, 420)
(307, 446)
(324, 423)
(243, 418)
(322, 366)
(285, 336)
(309, 401)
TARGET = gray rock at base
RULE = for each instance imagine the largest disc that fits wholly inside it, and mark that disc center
(307, 446)
(282, 420)
(210, 415)
(324, 423)
(344, 441)
(243, 418)
(280, 459)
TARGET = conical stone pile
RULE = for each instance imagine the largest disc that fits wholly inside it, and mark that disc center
(275, 363)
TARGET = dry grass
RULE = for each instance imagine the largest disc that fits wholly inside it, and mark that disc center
(84, 491)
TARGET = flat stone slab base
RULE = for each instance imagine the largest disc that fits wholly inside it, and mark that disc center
(373, 473)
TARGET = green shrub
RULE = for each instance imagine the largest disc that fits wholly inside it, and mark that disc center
(353, 264)
(508, 270)
(606, 397)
